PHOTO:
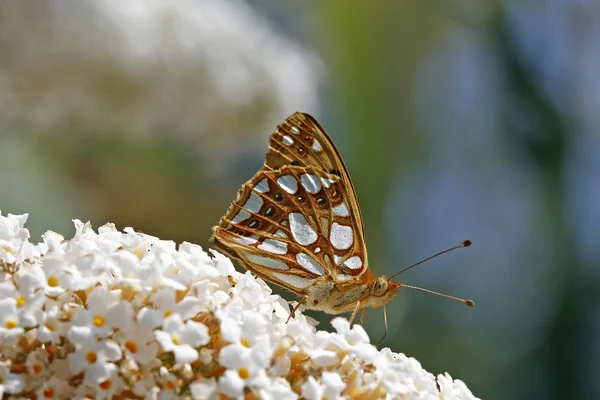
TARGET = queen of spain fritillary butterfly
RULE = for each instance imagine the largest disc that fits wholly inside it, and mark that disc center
(297, 224)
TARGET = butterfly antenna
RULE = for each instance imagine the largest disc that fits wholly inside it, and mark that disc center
(466, 243)
(466, 302)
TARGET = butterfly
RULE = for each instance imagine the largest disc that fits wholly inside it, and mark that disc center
(297, 224)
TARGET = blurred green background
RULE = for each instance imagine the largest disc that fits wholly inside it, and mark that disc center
(457, 120)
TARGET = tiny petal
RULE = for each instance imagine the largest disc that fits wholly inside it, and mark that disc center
(196, 334)
(185, 354)
(324, 358)
(312, 390)
(231, 384)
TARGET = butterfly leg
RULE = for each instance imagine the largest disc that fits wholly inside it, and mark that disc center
(354, 312)
(385, 326)
(362, 316)
(293, 313)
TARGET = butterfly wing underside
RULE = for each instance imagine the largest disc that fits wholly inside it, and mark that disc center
(301, 140)
(297, 219)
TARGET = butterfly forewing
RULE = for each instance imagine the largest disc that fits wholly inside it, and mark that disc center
(297, 219)
(300, 140)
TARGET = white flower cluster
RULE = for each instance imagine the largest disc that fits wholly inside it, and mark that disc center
(126, 314)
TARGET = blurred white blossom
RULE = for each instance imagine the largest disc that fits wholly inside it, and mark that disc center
(221, 335)
(210, 70)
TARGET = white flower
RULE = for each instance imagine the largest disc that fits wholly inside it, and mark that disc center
(138, 343)
(204, 389)
(168, 381)
(224, 266)
(193, 254)
(92, 356)
(108, 238)
(37, 362)
(52, 327)
(105, 311)
(330, 388)
(166, 304)
(31, 279)
(86, 256)
(127, 269)
(14, 244)
(248, 288)
(109, 386)
(10, 324)
(209, 296)
(250, 331)
(182, 338)
(278, 389)
(53, 242)
(11, 227)
(54, 388)
(176, 273)
(324, 358)
(353, 339)
(28, 303)
(231, 383)
(453, 389)
(9, 382)
(147, 377)
(245, 368)
(56, 275)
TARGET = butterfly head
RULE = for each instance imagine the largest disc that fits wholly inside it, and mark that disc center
(383, 291)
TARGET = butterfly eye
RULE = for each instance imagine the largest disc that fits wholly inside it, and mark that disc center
(270, 211)
(301, 198)
(380, 286)
(253, 224)
(321, 201)
(278, 196)
(301, 151)
(295, 163)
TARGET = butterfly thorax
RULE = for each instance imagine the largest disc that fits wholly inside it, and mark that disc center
(341, 297)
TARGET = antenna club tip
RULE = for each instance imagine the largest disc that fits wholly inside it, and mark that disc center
(466, 243)
(470, 303)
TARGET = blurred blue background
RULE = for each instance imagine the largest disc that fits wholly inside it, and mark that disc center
(457, 120)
